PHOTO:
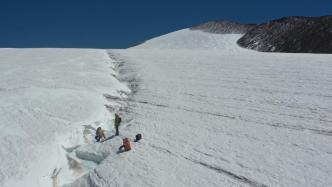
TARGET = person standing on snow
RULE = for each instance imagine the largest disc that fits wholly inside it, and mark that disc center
(117, 122)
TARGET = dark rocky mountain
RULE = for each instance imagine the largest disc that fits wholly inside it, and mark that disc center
(291, 34)
(224, 27)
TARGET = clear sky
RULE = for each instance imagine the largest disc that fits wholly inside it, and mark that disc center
(122, 23)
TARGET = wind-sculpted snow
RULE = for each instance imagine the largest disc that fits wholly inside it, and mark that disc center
(259, 118)
(222, 118)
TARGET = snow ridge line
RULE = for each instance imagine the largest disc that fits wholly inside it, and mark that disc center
(120, 107)
(128, 77)
(124, 75)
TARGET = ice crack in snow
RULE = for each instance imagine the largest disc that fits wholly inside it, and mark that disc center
(228, 173)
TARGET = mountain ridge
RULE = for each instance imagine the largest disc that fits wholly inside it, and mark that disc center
(290, 34)
(293, 34)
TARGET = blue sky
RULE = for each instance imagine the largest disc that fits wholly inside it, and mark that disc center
(120, 24)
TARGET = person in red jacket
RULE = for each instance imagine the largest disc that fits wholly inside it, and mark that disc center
(125, 144)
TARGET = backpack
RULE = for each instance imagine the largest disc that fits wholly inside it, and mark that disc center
(138, 137)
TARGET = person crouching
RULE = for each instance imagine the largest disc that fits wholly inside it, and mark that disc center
(125, 145)
(99, 134)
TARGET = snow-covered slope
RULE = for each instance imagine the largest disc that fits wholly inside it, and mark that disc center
(210, 112)
(193, 40)
(221, 117)
(45, 96)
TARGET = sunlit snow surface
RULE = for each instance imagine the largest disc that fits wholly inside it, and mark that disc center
(45, 96)
(224, 116)
(210, 112)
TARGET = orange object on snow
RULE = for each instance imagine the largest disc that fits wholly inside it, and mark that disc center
(126, 144)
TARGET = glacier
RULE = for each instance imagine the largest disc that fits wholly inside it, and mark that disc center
(211, 114)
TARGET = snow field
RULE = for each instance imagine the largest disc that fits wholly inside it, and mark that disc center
(210, 112)
(220, 115)
(47, 95)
